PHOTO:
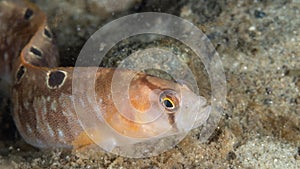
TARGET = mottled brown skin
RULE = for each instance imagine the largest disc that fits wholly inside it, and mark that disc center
(41, 92)
(12, 21)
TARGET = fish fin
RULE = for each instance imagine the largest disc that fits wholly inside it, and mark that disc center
(82, 140)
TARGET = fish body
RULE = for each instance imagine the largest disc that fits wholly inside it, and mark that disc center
(15, 16)
(43, 97)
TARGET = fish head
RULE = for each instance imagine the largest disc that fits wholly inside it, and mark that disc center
(150, 106)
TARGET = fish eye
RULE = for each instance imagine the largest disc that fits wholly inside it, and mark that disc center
(168, 103)
(28, 14)
(169, 100)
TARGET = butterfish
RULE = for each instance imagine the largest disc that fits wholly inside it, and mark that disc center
(41, 91)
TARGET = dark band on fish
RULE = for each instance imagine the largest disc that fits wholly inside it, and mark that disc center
(36, 51)
(28, 14)
(47, 33)
(55, 79)
(20, 73)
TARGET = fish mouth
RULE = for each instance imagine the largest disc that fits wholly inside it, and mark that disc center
(193, 112)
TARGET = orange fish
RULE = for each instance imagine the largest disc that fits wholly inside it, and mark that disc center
(41, 91)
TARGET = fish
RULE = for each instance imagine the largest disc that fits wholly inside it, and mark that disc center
(43, 100)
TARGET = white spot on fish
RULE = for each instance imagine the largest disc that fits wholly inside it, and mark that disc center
(44, 109)
(61, 135)
(29, 130)
(100, 101)
(65, 114)
(26, 105)
(39, 122)
(70, 116)
(50, 130)
(97, 107)
(5, 56)
(54, 105)
(32, 77)
(35, 106)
